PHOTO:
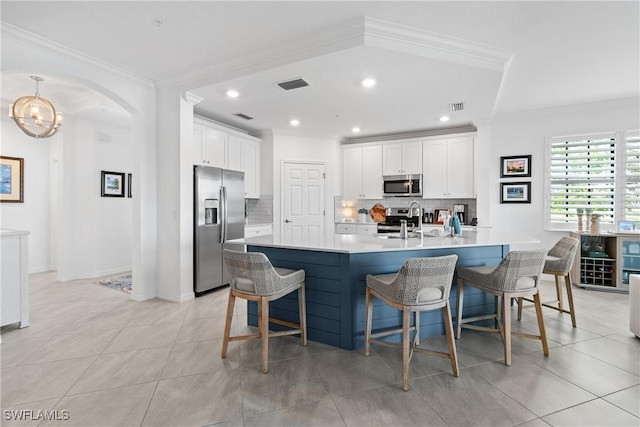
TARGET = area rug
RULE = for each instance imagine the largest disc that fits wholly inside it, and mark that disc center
(121, 283)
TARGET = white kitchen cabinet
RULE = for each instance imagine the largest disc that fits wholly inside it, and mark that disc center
(251, 166)
(367, 228)
(209, 146)
(258, 230)
(244, 155)
(362, 172)
(346, 229)
(14, 296)
(228, 149)
(448, 168)
(234, 150)
(402, 158)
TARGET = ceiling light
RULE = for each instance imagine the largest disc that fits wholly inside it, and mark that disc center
(294, 122)
(355, 130)
(368, 82)
(444, 118)
(36, 116)
(232, 93)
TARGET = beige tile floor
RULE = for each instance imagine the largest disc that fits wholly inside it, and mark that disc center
(101, 359)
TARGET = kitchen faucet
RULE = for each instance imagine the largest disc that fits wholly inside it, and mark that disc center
(410, 215)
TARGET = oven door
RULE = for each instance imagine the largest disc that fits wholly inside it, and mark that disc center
(388, 228)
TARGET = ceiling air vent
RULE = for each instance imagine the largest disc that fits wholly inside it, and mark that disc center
(292, 84)
(243, 116)
(458, 106)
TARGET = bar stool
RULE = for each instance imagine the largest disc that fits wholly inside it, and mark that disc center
(516, 276)
(421, 284)
(559, 262)
(254, 278)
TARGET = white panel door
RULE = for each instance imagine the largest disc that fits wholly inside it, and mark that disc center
(234, 156)
(251, 167)
(434, 162)
(214, 148)
(372, 172)
(392, 159)
(352, 173)
(412, 157)
(198, 139)
(460, 168)
(303, 202)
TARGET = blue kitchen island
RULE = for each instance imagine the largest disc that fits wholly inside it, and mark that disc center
(336, 266)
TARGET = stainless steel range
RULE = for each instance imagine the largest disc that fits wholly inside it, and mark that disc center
(391, 223)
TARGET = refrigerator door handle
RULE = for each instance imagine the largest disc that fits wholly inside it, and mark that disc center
(223, 197)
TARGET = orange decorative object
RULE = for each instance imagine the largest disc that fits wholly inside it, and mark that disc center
(378, 213)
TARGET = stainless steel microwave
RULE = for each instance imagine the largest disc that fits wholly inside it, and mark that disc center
(402, 185)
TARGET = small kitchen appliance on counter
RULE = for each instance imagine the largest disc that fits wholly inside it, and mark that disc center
(394, 216)
(461, 212)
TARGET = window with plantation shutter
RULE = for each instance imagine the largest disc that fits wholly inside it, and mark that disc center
(581, 175)
(599, 172)
(631, 211)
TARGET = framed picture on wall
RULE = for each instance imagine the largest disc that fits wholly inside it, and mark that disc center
(515, 166)
(515, 192)
(129, 185)
(112, 184)
(11, 179)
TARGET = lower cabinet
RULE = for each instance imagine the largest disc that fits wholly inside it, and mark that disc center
(258, 230)
(605, 261)
(342, 228)
(14, 296)
(367, 228)
(346, 229)
(629, 259)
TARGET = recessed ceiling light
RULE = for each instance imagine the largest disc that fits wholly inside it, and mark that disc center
(232, 93)
(369, 82)
(444, 118)
(355, 130)
(294, 122)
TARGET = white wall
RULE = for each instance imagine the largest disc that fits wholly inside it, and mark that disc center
(28, 54)
(73, 229)
(34, 214)
(290, 146)
(524, 133)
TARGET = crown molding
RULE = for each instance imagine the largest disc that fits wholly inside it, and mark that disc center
(330, 40)
(364, 31)
(17, 34)
(466, 128)
(192, 99)
(419, 42)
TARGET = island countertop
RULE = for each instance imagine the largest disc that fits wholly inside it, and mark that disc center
(366, 243)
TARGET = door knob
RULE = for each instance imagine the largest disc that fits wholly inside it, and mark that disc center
(287, 221)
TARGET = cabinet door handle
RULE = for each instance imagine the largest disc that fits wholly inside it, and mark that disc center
(287, 221)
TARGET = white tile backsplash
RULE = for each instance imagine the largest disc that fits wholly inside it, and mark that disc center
(347, 209)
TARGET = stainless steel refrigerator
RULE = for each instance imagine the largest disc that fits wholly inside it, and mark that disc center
(219, 217)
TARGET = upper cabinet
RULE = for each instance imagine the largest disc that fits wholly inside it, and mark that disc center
(448, 168)
(362, 172)
(402, 158)
(251, 168)
(228, 149)
(210, 146)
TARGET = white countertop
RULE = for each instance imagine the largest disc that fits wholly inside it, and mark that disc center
(363, 243)
(9, 232)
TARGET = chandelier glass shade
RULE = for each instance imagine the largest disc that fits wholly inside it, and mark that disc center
(36, 116)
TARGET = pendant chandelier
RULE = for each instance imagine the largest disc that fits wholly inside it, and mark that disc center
(36, 116)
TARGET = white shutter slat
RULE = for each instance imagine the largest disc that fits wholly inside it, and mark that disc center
(632, 177)
(582, 175)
